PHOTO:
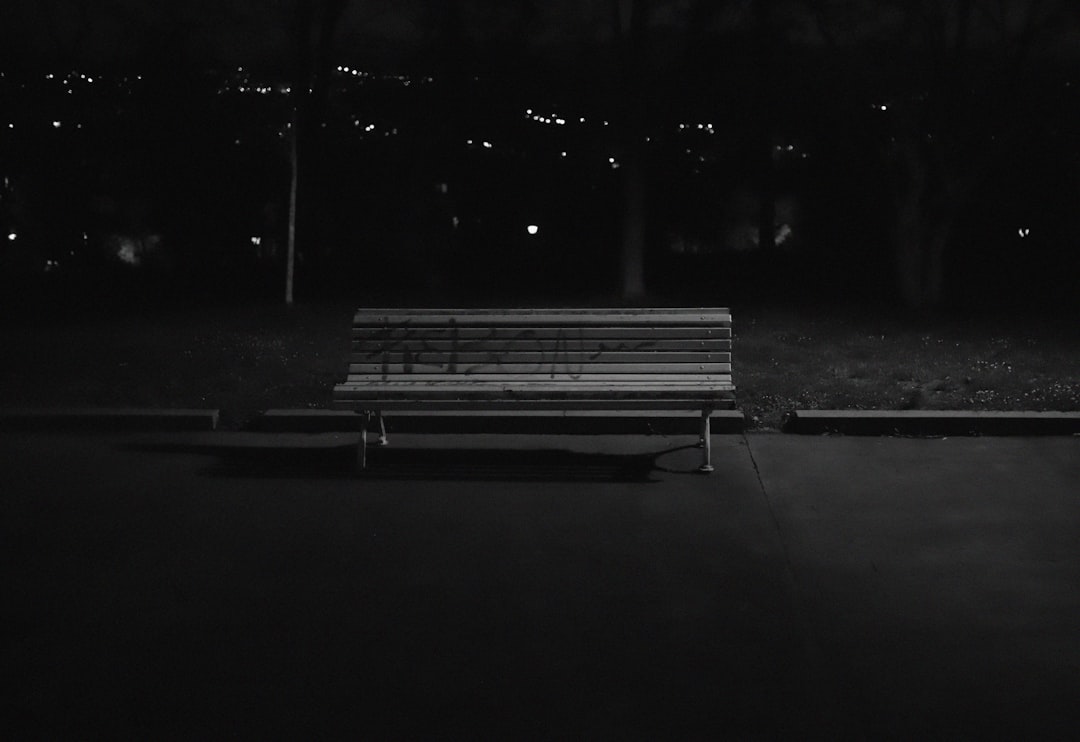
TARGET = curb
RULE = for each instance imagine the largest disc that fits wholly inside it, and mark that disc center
(497, 421)
(930, 422)
(107, 420)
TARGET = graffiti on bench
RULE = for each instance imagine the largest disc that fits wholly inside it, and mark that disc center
(564, 354)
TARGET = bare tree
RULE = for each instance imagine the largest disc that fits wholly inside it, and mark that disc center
(936, 147)
(314, 26)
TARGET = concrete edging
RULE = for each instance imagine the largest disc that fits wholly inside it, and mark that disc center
(930, 422)
(120, 420)
(649, 422)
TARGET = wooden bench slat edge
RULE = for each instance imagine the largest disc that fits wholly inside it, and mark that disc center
(513, 369)
(526, 320)
(421, 344)
(542, 310)
(539, 357)
(526, 334)
(718, 403)
(533, 380)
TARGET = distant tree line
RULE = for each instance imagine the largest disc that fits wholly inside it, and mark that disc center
(929, 149)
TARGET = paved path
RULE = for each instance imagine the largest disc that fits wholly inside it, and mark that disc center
(171, 586)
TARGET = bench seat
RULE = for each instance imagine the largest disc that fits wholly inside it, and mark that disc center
(539, 359)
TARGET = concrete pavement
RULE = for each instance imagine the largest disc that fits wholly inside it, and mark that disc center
(206, 585)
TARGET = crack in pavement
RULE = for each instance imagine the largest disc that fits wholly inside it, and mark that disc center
(821, 675)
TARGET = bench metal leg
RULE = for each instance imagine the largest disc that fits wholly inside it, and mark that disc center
(706, 443)
(361, 450)
(383, 441)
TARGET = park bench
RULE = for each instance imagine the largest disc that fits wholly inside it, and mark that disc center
(538, 359)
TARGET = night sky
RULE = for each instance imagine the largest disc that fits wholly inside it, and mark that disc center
(256, 31)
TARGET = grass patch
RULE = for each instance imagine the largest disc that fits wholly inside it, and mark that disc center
(243, 360)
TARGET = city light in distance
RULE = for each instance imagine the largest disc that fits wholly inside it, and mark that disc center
(551, 119)
(12, 236)
(532, 229)
(56, 124)
(1023, 232)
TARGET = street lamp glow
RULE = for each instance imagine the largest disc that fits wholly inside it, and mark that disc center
(56, 124)
(11, 236)
(532, 229)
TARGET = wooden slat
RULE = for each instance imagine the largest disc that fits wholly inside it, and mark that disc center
(535, 368)
(539, 320)
(540, 358)
(423, 345)
(568, 334)
(725, 402)
(533, 310)
(526, 392)
(537, 389)
(546, 379)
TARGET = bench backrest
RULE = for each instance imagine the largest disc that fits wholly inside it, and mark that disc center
(548, 344)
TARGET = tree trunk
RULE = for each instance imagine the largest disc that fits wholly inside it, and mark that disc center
(314, 25)
(767, 206)
(629, 17)
(920, 253)
(766, 123)
(294, 162)
(632, 258)
(924, 218)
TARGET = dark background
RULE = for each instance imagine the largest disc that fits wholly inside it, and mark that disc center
(145, 151)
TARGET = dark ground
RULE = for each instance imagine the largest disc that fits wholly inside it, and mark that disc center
(518, 587)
